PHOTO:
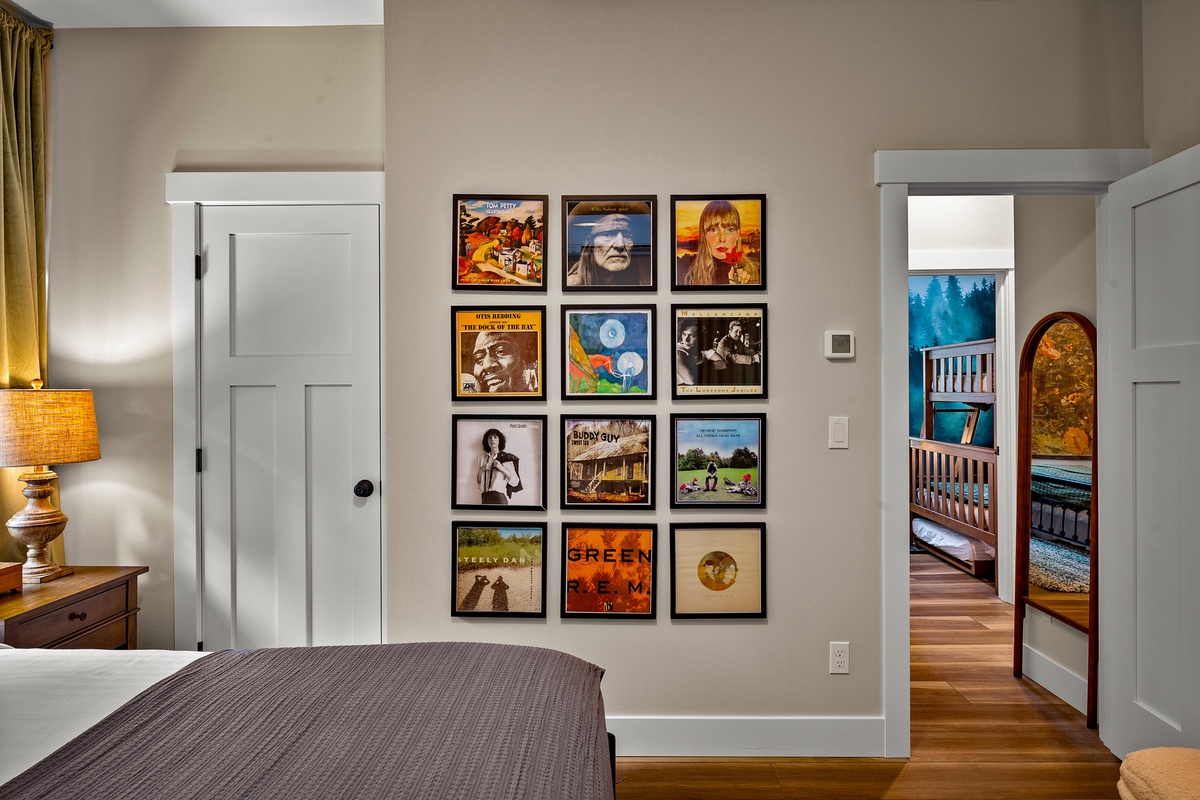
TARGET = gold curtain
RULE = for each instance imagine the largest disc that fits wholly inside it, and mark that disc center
(23, 56)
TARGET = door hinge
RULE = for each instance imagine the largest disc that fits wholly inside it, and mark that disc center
(199, 271)
(199, 460)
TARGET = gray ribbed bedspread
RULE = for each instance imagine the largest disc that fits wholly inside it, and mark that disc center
(436, 720)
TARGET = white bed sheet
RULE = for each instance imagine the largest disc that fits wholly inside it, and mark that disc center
(959, 545)
(52, 696)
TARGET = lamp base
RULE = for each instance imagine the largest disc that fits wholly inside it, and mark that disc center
(55, 572)
(35, 526)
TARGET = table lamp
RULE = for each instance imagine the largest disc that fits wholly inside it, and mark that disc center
(40, 427)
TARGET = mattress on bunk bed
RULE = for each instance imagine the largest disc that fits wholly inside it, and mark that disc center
(956, 494)
(951, 542)
(1061, 502)
(1070, 485)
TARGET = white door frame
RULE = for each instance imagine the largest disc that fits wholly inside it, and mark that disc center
(900, 173)
(186, 192)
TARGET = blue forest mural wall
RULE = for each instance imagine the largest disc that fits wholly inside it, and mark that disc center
(945, 309)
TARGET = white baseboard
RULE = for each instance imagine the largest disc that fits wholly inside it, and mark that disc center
(1055, 678)
(748, 736)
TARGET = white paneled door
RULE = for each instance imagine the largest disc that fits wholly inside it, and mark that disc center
(290, 543)
(1149, 481)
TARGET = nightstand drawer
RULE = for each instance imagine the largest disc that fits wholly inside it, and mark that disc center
(74, 618)
(111, 636)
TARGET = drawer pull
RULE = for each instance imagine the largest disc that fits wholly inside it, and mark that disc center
(79, 615)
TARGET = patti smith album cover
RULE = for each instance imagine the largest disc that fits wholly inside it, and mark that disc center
(499, 461)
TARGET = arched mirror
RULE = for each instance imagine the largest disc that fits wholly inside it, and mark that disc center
(1056, 483)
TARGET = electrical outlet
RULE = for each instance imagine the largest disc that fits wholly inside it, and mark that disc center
(839, 658)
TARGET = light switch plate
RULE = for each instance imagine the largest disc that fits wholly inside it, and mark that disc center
(839, 433)
(839, 344)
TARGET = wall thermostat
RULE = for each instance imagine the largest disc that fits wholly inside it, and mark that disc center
(839, 344)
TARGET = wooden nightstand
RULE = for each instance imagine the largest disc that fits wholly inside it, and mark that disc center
(96, 607)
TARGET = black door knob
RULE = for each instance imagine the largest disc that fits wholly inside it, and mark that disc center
(364, 488)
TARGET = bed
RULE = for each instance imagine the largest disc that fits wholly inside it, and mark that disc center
(422, 720)
(1062, 503)
(967, 551)
(951, 483)
(1060, 523)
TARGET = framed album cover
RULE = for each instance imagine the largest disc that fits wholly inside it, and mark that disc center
(718, 570)
(499, 461)
(720, 460)
(720, 242)
(499, 241)
(608, 462)
(609, 243)
(499, 352)
(499, 569)
(608, 352)
(720, 351)
(608, 571)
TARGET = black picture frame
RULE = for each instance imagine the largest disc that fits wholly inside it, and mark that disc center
(483, 554)
(605, 570)
(696, 263)
(608, 352)
(499, 242)
(728, 452)
(584, 259)
(523, 437)
(608, 462)
(714, 363)
(511, 365)
(718, 570)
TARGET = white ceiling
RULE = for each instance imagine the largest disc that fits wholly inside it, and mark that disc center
(203, 13)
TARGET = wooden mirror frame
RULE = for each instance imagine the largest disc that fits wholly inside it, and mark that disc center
(1024, 514)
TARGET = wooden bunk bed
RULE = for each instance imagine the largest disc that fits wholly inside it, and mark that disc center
(951, 485)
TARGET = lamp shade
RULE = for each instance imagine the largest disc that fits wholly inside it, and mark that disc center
(41, 427)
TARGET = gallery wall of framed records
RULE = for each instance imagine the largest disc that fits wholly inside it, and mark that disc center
(609, 354)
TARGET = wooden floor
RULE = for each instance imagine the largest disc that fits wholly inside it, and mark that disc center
(977, 732)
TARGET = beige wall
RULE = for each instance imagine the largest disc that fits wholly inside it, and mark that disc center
(608, 96)
(628, 97)
(126, 108)
(1055, 257)
(1171, 59)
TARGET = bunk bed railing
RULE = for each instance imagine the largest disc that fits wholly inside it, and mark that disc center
(962, 373)
(954, 484)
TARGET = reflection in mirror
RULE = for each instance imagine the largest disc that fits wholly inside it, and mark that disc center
(1063, 385)
(1056, 520)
